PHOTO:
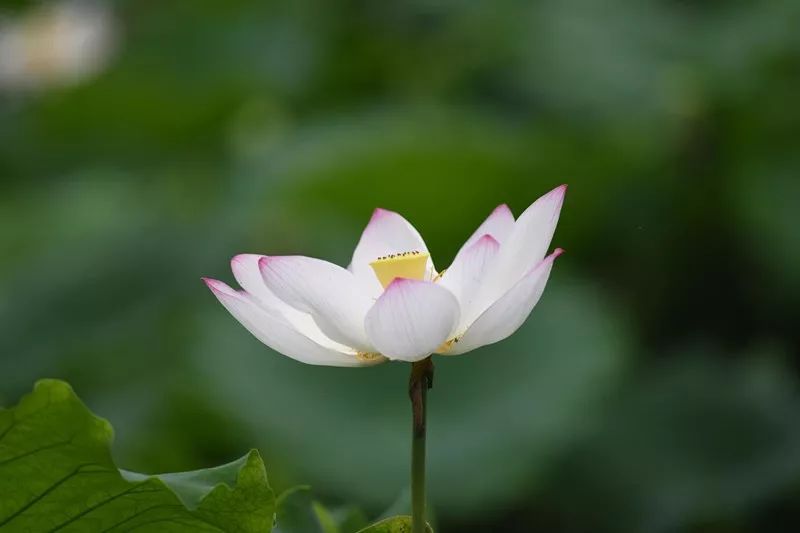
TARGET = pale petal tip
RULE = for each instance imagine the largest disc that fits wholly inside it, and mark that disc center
(400, 283)
(487, 239)
(397, 282)
(561, 190)
(287, 261)
(264, 262)
(240, 258)
(556, 194)
(556, 198)
(241, 261)
(221, 289)
(502, 208)
(213, 284)
(379, 213)
(557, 252)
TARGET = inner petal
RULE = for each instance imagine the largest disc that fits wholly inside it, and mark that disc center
(408, 265)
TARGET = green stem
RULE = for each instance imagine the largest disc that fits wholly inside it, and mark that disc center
(421, 380)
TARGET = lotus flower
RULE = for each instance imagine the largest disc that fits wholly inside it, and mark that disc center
(391, 303)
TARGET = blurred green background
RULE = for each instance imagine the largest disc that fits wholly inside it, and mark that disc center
(654, 389)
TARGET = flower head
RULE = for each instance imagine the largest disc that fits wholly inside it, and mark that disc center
(391, 303)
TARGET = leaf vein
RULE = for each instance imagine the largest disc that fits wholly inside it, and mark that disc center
(34, 451)
(94, 507)
(141, 513)
(44, 494)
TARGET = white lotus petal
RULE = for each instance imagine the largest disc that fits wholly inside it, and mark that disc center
(387, 233)
(465, 275)
(412, 319)
(526, 245)
(498, 224)
(248, 274)
(508, 313)
(276, 332)
(328, 292)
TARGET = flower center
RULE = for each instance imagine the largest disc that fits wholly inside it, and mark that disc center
(410, 265)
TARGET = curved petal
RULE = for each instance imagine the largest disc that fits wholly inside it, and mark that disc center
(248, 274)
(277, 333)
(498, 225)
(508, 313)
(526, 245)
(327, 292)
(466, 274)
(411, 319)
(387, 233)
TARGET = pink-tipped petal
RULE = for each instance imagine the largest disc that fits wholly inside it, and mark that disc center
(526, 245)
(219, 287)
(275, 331)
(498, 224)
(387, 233)
(248, 276)
(247, 272)
(466, 274)
(411, 319)
(327, 292)
(508, 313)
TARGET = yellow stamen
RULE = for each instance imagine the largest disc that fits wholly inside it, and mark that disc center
(445, 347)
(409, 265)
(368, 356)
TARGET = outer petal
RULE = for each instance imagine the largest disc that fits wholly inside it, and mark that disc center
(508, 313)
(247, 272)
(276, 332)
(465, 275)
(329, 293)
(526, 245)
(412, 319)
(387, 233)
(248, 275)
(498, 225)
